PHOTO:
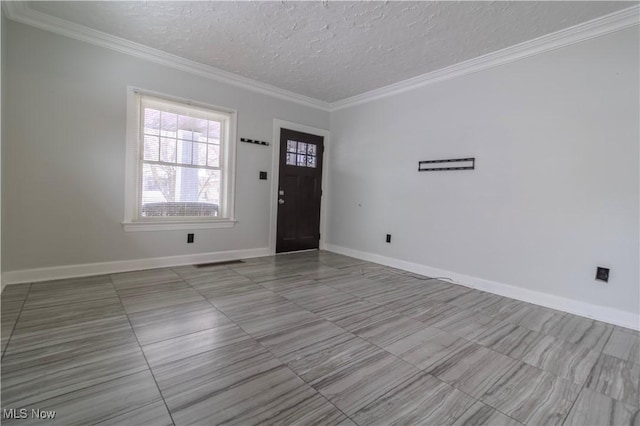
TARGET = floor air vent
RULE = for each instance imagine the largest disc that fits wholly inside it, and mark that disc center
(225, 262)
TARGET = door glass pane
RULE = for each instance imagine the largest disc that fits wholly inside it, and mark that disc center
(311, 161)
(302, 160)
(311, 149)
(291, 146)
(291, 159)
(302, 148)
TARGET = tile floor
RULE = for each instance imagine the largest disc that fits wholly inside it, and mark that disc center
(306, 338)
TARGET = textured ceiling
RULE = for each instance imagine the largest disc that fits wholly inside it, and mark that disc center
(328, 50)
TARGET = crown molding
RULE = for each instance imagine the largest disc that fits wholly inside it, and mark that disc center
(626, 18)
(606, 24)
(20, 12)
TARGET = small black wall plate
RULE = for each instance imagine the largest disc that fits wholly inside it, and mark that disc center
(602, 274)
(388, 238)
(263, 175)
(190, 238)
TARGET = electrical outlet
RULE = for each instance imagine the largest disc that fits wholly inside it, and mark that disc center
(388, 238)
(190, 238)
(263, 175)
(602, 274)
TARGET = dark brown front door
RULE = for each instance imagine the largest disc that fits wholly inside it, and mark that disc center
(299, 191)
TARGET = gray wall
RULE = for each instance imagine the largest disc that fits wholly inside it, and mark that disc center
(65, 117)
(555, 192)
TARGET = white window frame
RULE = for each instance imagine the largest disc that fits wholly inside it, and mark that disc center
(132, 220)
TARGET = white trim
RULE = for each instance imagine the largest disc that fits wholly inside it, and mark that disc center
(587, 30)
(88, 269)
(584, 309)
(176, 226)
(275, 169)
(20, 12)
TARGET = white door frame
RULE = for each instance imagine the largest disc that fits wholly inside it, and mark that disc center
(275, 176)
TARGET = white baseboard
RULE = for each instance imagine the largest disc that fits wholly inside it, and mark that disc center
(87, 269)
(584, 309)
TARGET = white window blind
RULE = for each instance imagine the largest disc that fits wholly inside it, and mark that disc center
(183, 163)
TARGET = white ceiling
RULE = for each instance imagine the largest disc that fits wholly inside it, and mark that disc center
(328, 50)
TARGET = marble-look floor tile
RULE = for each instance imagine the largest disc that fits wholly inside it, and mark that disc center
(451, 292)
(173, 321)
(203, 276)
(531, 396)
(482, 414)
(473, 369)
(323, 271)
(426, 347)
(512, 340)
(317, 298)
(281, 285)
(363, 287)
(583, 331)
(226, 289)
(474, 300)
(30, 349)
(240, 384)
(76, 313)
(318, 360)
(151, 290)
(275, 322)
(98, 403)
(391, 296)
(192, 344)
(616, 378)
(203, 282)
(249, 302)
(567, 360)
(68, 293)
(271, 341)
(536, 318)
(356, 315)
(147, 302)
(433, 312)
(13, 297)
(592, 408)
(153, 414)
(410, 305)
(387, 331)
(422, 399)
(363, 381)
(76, 282)
(268, 274)
(52, 379)
(467, 324)
(299, 337)
(143, 278)
(624, 344)
(347, 422)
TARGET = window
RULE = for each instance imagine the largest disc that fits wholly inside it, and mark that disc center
(183, 156)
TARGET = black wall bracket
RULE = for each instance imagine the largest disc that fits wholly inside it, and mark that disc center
(453, 164)
(254, 141)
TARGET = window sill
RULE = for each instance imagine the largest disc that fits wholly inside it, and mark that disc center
(176, 226)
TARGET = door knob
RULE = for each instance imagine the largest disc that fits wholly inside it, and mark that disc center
(280, 201)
